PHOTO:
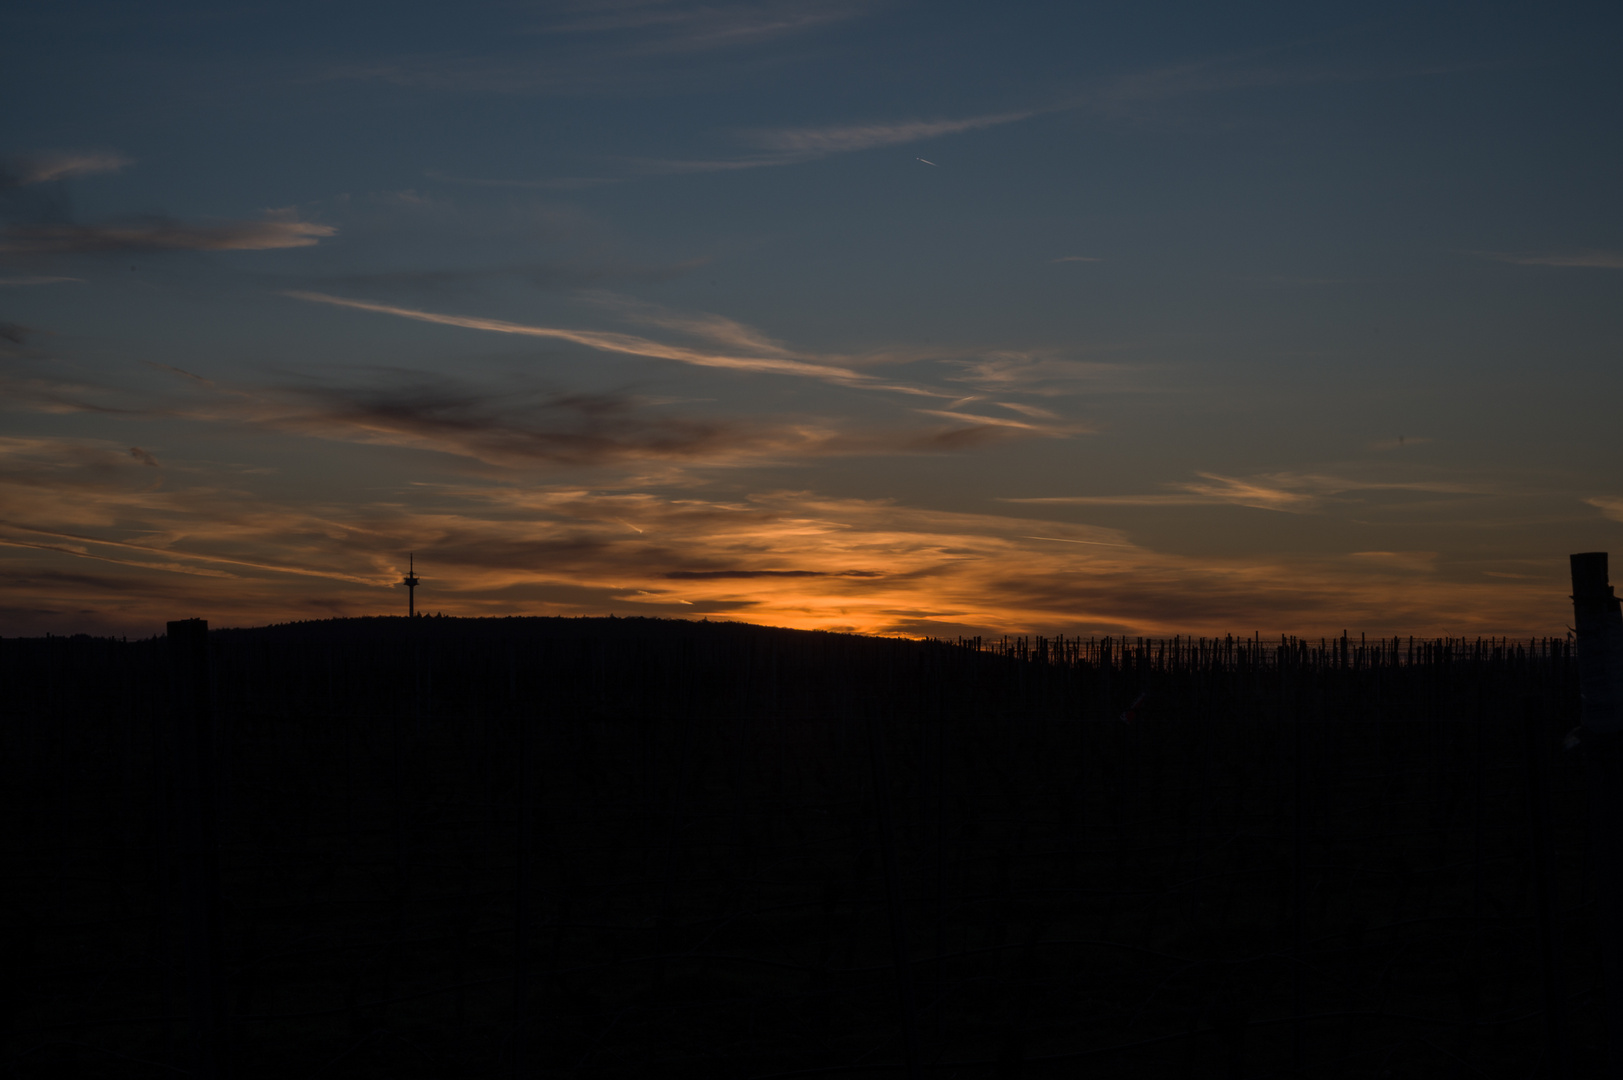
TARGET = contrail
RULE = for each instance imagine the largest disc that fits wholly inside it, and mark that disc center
(1063, 540)
(927, 162)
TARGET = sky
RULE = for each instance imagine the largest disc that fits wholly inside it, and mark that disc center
(900, 318)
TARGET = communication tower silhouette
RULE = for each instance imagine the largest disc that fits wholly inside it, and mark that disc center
(411, 585)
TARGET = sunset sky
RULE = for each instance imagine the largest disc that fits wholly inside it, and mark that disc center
(904, 318)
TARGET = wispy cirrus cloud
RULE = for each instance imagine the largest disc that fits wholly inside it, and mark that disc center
(716, 329)
(769, 358)
(793, 145)
(1582, 260)
(1299, 62)
(784, 558)
(614, 48)
(506, 427)
(1284, 492)
(847, 138)
(745, 575)
(41, 168)
(1401, 442)
(163, 234)
(1046, 375)
(1123, 96)
(513, 429)
(1035, 425)
(657, 26)
(1609, 505)
(582, 274)
(562, 183)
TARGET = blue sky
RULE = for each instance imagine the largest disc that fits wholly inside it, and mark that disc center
(921, 319)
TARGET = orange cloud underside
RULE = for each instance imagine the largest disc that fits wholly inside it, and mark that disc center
(90, 543)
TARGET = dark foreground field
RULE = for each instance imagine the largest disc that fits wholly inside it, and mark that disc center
(540, 847)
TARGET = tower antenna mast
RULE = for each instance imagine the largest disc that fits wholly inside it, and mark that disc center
(411, 585)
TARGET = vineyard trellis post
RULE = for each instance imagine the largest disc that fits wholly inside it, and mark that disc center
(1599, 625)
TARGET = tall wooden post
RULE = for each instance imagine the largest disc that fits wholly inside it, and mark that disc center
(1599, 623)
(196, 797)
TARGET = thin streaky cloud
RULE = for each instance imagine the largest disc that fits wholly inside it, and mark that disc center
(714, 328)
(1583, 260)
(1610, 506)
(636, 345)
(717, 575)
(1046, 375)
(1413, 561)
(508, 429)
(845, 138)
(662, 166)
(123, 545)
(517, 431)
(1027, 410)
(163, 235)
(1322, 484)
(42, 168)
(1003, 422)
(562, 183)
(1111, 500)
(604, 341)
(613, 52)
(1257, 494)
(665, 29)
(793, 146)
(1283, 492)
(80, 552)
(1253, 68)
(36, 280)
(178, 371)
(1066, 540)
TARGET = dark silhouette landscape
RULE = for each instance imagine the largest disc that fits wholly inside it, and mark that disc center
(624, 847)
(834, 340)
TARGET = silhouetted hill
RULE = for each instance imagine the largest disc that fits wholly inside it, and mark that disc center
(639, 847)
(670, 667)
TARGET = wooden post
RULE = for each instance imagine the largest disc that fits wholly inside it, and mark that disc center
(1599, 624)
(196, 788)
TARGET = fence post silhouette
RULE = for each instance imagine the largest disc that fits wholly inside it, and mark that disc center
(1599, 624)
(197, 796)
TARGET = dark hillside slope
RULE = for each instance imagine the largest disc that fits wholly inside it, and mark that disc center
(627, 847)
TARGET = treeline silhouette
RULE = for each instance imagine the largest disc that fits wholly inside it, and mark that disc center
(615, 847)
